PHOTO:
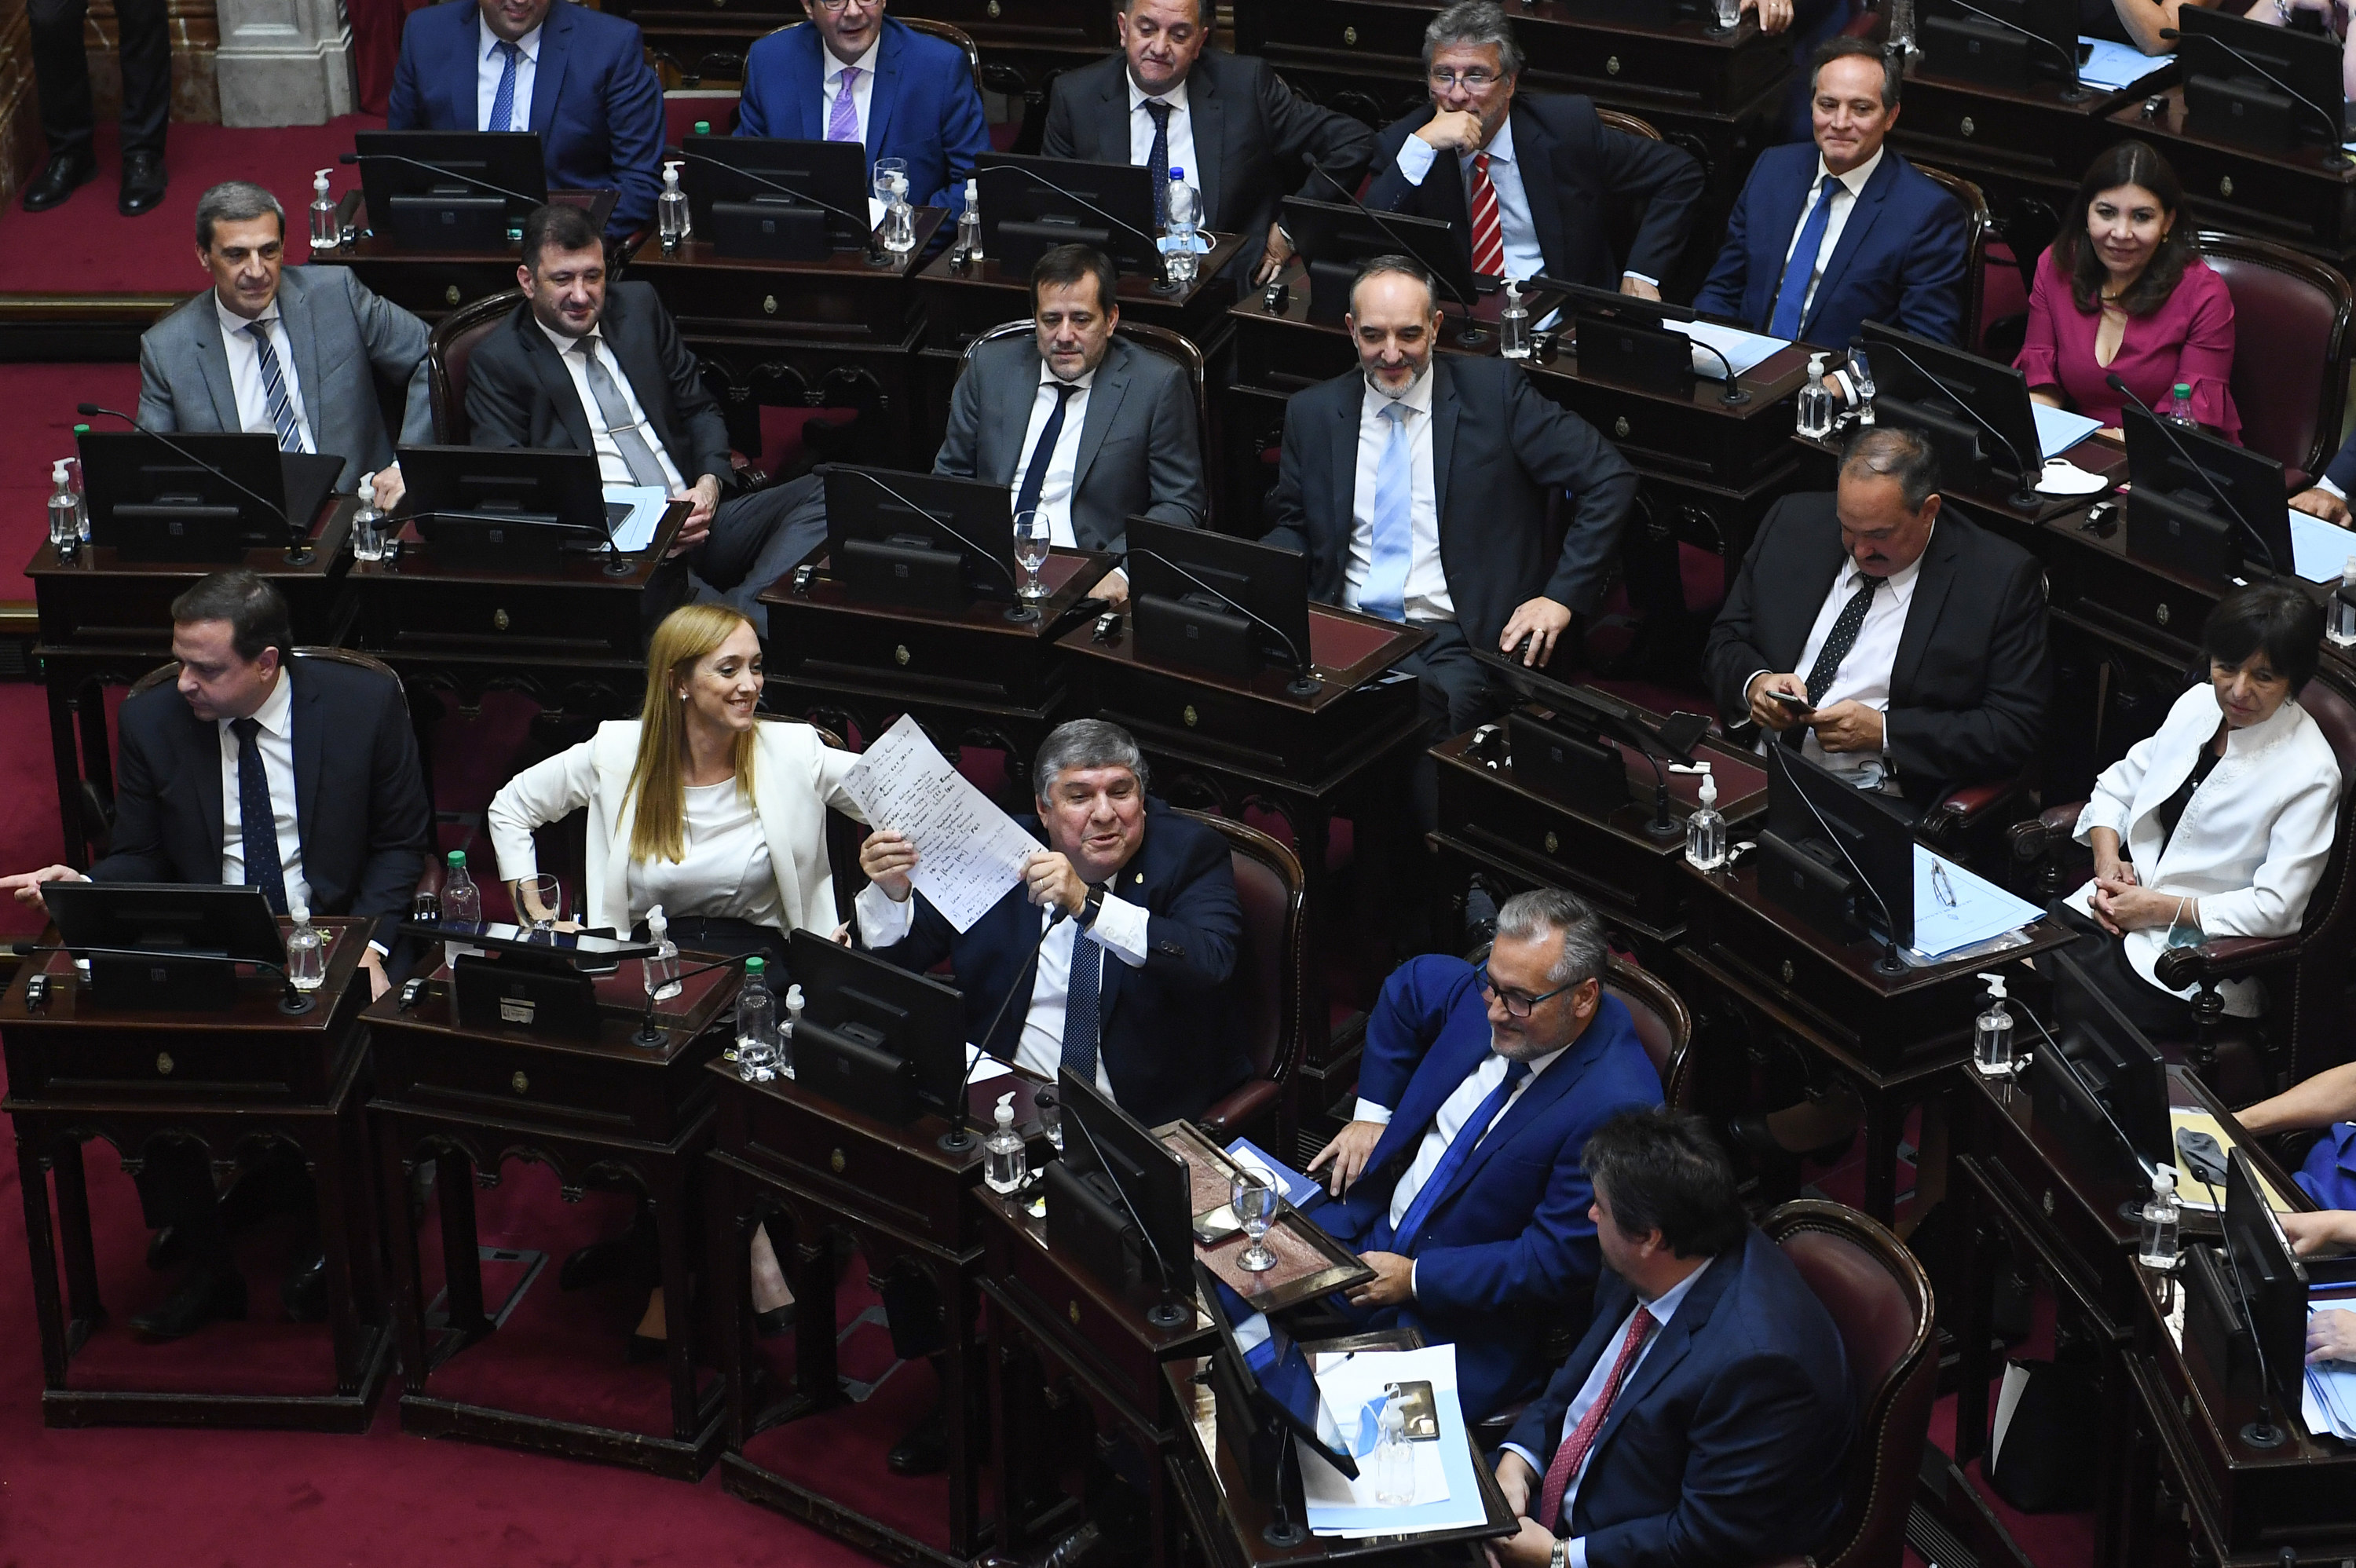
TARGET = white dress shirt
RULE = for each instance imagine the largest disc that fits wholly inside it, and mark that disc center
(611, 467)
(1121, 929)
(1662, 1308)
(863, 90)
(245, 372)
(1055, 493)
(275, 740)
(1181, 133)
(492, 66)
(1427, 579)
(1524, 257)
(1844, 198)
(1864, 674)
(723, 870)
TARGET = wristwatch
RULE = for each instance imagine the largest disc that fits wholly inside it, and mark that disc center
(1091, 906)
(1560, 1556)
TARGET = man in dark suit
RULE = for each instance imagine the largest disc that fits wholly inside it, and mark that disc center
(583, 367)
(1910, 643)
(68, 118)
(578, 76)
(1166, 101)
(856, 75)
(1527, 180)
(2327, 497)
(1459, 1174)
(1078, 424)
(1707, 1415)
(298, 778)
(1826, 238)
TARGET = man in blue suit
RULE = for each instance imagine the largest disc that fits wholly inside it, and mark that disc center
(1828, 237)
(2327, 497)
(856, 75)
(1458, 1178)
(578, 76)
(1706, 1416)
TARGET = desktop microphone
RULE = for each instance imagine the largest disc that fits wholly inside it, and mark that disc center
(1472, 335)
(875, 256)
(959, 1139)
(292, 1002)
(298, 545)
(1162, 284)
(446, 174)
(1890, 963)
(1303, 683)
(648, 1037)
(2024, 496)
(2072, 94)
(2337, 158)
(1018, 612)
(2116, 385)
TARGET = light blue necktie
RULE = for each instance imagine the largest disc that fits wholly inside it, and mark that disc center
(503, 100)
(1792, 295)
(1460, 1149)
(1393, 544)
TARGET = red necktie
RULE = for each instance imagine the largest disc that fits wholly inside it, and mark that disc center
(1488, 229)
(1573, 1451)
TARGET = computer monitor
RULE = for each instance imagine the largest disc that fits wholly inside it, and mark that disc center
(1281, 1399)
(451, 190)
(767, 197)
(1623, 338)
(1335, 239)
(929, 541)
(2246, 82)
(1935, 388)
(1030, 205)
(1840, 857)
(2201, 505)
(1154, 1186)
(1568, 749)
(2121, 1068)
(508, 506)
(220, 495)
(2275, 1279)
(2018, 44)
(166, 945)
(873, 1036)
(1216, 603)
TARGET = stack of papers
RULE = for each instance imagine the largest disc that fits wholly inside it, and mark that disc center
(1957, 909)
(2329, 1404)
(1743, 349)
(2113, 65)
(1446, 1493)
(2319, 550)
(647, 503)
(2059, 430)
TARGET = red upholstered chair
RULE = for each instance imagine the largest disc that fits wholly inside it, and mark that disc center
(2292, 349)
(683, 107)
(1881, 1300)
(446, 353)
(1663, 1023)
(1270, 966)
(1976, 227)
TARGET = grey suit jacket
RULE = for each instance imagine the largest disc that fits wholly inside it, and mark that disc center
(1140, 445)
(341, 337)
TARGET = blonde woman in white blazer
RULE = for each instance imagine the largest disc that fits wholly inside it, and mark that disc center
(2220, 824)
(699, 807)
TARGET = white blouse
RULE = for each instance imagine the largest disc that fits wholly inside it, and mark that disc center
(723, 870)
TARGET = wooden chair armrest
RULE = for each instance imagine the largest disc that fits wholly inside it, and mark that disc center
(1251, 1103)
(2222, 959)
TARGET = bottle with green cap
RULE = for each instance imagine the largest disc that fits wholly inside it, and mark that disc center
(756, 1025)
(462, 906)
(703, 127)
(2179, 406)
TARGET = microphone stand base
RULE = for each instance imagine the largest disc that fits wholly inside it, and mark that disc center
(295, 1003)
(1023, 614)
(2026, 500)
(1472, 336)
(300, 555)
(1283, 1532)
(1891, 963)
(957, 1140)
(1167, 287)
(2263, 1434)
(1302, 688)
(1733, 396)
(1169, 1313)
(647, 1037)
(619, 566)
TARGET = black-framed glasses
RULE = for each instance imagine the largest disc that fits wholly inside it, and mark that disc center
(1517, 1003)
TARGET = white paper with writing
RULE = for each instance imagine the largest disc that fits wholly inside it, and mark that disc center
(967, 852)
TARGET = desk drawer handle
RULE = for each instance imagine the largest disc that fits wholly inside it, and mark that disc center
(900, 655)
(1967, 127)
(1787, 971)
(1074, 1310)
(1350, 36)
(519, 1083)
(1619, 427)
(1553, 844)
(2046, 1204)
(835, 1162)
(2161, 615)
(2225, 188)
(769, 304)
(1191, 716)
(164, 1063)
(450, 294)
(1612, 66)
(993, 10)
(499, 620)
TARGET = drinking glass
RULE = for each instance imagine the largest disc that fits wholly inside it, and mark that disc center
(539, 899)
(1032, 533)
(1728, 14)
(1252, 1192)
(891, 180)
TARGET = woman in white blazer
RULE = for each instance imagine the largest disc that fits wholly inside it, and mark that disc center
(699, 807)
(2217, 825)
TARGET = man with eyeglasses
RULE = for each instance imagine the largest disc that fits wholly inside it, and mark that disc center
(1458, 1178)
(1527, 181)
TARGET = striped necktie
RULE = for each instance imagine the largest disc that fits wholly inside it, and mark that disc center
(842, 121)
(1488, 226)
(274, 389)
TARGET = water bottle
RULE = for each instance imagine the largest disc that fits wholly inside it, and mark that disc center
(703, 127)
(1860, 381)
(325, 234)
(661, 972)
(2341, 630)
(969, 239)
(2179, 406)
(462, 906)
(1815, 402)
(671, 219)
(1706, 829)
(81, 493)
(1992, 1033)
(756, 1025)
(2156, 1248)
(1004, 1166)
(1178, 234)
(65, 514)
(367, 523)
(307, 955)
(1514, 325)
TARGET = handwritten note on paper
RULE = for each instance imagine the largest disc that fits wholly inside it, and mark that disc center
(967, 852)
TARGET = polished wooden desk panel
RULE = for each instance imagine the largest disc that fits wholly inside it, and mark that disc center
(432, 284)
(253, 1076)
(2297, 198)
(2013, 142)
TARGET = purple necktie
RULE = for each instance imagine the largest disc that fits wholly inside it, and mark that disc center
(842, 124)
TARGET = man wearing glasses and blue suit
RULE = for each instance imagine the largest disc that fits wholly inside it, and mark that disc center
(1458, 1180)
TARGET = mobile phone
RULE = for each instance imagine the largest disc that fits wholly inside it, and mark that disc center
(1789, 699)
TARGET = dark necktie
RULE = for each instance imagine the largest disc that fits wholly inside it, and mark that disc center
(1460, 1149)
(1800, 270)
(1034, 478)
(1843, 639)
(615, 409)
(258, 823)
(1081, 994)
(1575, 1447)
(1157, 160)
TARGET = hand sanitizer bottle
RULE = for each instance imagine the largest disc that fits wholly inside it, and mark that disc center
(65, 517)
(659, 974)
(1514, 325)
(1706, 829)
(1816, 420)
(307, 955)
(1992, 1033)
(2156, 1246)
(325, 234)
(1004, 1166)
(969, 239)
(2341, 629)
(671, 217)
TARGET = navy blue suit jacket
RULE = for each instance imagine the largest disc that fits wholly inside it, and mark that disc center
(1170, 1044)
(924, 108)
(594, 100)
(1509, 1250)
(1728, 1443)
(1899, 260)
(2341, 469)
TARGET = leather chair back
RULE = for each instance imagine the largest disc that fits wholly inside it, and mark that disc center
(1615, 120)
(1881, 1300)
(1977, 225)
(446, 354)
(941, 30)
(2291, 348)
(1271, 960)
(1161, 340)
(1663, 1023)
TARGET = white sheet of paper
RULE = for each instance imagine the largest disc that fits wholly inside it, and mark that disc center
(1743, 349)
(967, 852)
(1447, 1497)
(988, 1070)
(2319, 550)
(647, 502)
(2059, 430)
(1981, 909)
(2113, 65)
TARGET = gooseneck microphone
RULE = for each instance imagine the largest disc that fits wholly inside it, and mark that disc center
(959, 1139)
(1163, 283)
(2337, 158)
(298, 541)
(446, 174)
(1472, 335)
(875, 256)
(2074, 92)
(1303, 683)
(2116, 385)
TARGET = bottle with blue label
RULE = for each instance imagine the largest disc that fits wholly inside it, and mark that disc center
(1185, 205)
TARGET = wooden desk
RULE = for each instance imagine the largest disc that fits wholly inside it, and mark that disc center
(2013, 142)
(2294, 199)
(106, 621)
(252, 1075)
(432, 283)
(467, 1098)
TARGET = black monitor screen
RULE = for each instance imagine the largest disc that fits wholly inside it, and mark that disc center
(2260, 1253)
(2213, 477)
(1283, 1382)
(1030, 205)
(1152, 1177)
(1201, 572)
(166, 918)
(407, 174)
(2010, 43)
(2247, 81)
(559, 488)
(917, 1019)
(751, 169)
(1335, 239)
(131, 475)
(1935, 388)
(2122, 1068)
(920, 539)
(1866, 832)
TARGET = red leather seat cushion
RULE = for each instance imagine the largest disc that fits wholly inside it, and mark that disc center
(2281, 326)
(1260, 960)
(454, 355)
(1874, 1319)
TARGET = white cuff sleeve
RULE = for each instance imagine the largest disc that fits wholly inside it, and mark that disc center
(1367, 1111)
(882, 922)
(2324, 485)
(1120, 930)
(1649, 282)
(1416, 157)
(1413, 1264)
(1578, 1551)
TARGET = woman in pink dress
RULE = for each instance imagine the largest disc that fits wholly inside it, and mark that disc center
(2121, 292)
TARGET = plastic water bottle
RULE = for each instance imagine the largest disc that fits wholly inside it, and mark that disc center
(1992, 1033)
(65, 514)
(462, 906)
(1178, 234)
(703, 127)
(1706, 829)
(661, 972)
(2156, 1248)
(81, 493)
(325, 234)
(2179, 406)
(367, 523)
(2341, 629)
(969, 239)
(1514, 325)
(671, 217)
(1004, 1168)
(756, 1025)
(1816, 420)
(307, 955)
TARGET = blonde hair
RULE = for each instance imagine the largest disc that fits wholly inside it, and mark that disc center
(688, 635)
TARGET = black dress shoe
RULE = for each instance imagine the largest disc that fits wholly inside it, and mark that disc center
(617, 1257)
(776, 1320)
(304, 1293)
(59, 178)
(925, 1450)
(209, 1291)
(165, 1248)
(143, 184)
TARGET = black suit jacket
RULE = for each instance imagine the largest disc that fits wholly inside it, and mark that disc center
(1172, 1047)
(518, 393)
(1572, 169)
(1498, 446)
(1969, 688)
(359, 807)
(1252, 135)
